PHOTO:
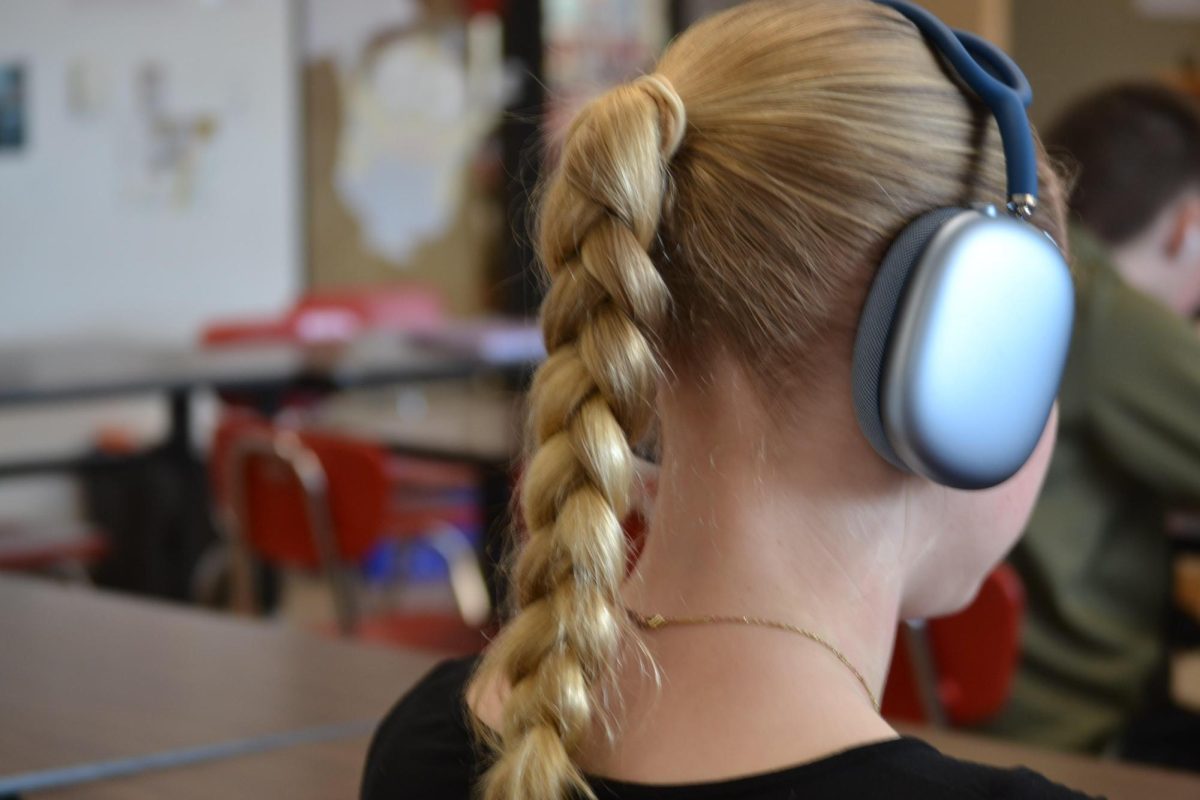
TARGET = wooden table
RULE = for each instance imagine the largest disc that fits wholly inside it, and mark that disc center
(119, 685)
(334, 769)
(52, 373)
(328, 771)
(94, 679)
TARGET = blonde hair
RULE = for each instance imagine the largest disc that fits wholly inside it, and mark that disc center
(737, 199)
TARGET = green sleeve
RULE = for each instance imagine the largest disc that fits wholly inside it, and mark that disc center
(1143, 389)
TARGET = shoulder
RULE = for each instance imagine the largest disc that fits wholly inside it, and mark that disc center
(424, 747)
(939, 775)
(1108, 303)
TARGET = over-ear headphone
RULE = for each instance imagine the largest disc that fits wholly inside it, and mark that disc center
(964, 334)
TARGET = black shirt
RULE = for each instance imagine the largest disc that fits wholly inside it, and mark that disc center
(425, 750)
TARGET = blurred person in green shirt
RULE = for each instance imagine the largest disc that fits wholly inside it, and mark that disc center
(1095, 559)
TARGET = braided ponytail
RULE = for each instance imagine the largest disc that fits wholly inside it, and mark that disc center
(591, 399)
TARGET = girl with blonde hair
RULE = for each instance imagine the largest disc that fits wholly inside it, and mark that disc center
(711, 232)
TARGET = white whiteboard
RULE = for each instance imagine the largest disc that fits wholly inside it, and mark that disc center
(158, 185)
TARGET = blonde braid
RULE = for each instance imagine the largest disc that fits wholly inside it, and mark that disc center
(592, 398)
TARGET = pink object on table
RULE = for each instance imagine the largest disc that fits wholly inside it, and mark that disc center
(336, 316)
(405, 308)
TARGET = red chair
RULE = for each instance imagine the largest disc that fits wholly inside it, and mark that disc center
(958, 670)
(319, 501)
(250, 330)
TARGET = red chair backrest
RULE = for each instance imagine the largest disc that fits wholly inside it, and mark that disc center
(975, 653)
(276, 522)
(233, 332)
(371, 494)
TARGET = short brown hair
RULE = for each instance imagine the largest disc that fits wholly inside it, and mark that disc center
(1133, 148)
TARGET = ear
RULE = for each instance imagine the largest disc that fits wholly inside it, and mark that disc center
(1183, 236)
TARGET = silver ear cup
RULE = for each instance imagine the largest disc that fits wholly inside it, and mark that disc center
(978, 350)
(974, 355)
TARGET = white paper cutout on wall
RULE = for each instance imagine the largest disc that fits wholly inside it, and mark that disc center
(163, 151)
(87, 88)
(340, 30)
(413, 119)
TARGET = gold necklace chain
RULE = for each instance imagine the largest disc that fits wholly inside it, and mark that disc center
(657, 621)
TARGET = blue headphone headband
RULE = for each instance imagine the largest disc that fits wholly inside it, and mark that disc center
(1002, 86)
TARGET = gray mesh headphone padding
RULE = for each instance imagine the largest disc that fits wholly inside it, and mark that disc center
(876, 323)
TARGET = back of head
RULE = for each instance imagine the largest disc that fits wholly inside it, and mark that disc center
(737, 201)
(1133, 148)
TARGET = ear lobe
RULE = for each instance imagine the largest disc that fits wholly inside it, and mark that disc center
(1178, 235)
(1184, 240)
(1189, 248)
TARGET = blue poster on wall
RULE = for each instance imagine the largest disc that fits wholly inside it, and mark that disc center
(12, 107)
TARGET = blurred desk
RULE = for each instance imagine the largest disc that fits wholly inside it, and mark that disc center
(1112, 779)
(94, 679)
(96, 685)
(84, 370)
(451, 421)
(42, 374)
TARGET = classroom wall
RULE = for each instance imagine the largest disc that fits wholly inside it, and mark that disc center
(1069, 47)
(991, 19)
(119, 221)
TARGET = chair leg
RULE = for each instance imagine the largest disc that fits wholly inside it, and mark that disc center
(233, 558)
(920, 651)
(211, 584)
(345, 603)
(466, 575)
(286, 449)
(243, 594)
(73, 571)
(307, 468)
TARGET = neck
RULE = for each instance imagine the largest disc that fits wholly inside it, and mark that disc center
(742, 527)
(733, 537)
(747, 524)
(739, 530)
